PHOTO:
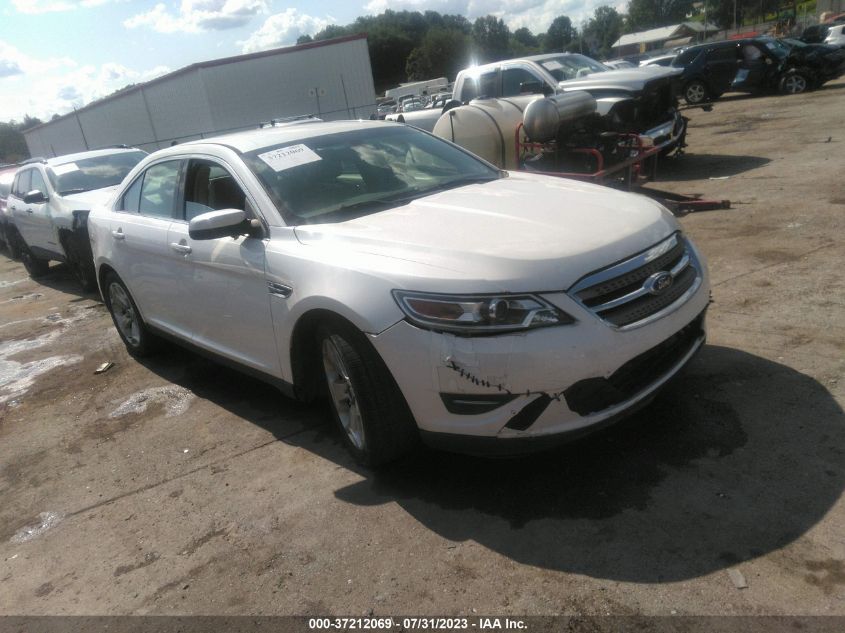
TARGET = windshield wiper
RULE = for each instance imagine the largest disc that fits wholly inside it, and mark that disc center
(460, 182)
(69, 191)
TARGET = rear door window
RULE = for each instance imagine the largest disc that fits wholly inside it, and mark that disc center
(158, 192)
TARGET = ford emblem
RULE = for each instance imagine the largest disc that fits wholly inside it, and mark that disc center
(658, 283)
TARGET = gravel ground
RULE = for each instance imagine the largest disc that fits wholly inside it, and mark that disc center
(177, 486)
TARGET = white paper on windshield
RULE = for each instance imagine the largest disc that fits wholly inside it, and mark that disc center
(61, 170)
(288, 157)
(552, 65)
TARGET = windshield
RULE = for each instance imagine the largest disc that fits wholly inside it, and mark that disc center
(779, 49)
(93, 173)
(572, 66)
(350, 174)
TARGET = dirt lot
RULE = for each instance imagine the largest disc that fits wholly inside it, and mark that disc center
(177, 486)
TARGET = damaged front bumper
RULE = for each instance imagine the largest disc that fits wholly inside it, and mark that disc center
(667, 135)
(515, 393)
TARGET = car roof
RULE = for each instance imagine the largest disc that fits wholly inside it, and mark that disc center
(280, 134)
(70, 158)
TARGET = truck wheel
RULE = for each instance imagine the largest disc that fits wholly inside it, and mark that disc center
(367, 406)
(127, 319)
(12, 244)
(794, 82)
(695, 92)
(34, 266)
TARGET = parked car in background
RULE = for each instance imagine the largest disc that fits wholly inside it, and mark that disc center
(384, 108)
(756, 65)
(358, 260)
(815, 34)
(659, 60)
(424, 118)
(7, 175)
(616, 64)
(49, 204)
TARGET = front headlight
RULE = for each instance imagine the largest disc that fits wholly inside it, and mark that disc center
(479, 314)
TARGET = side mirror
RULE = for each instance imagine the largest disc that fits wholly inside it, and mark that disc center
(35, 197)
(223, 223)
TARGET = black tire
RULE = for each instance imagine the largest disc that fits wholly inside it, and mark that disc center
(12, 244)
(127, 319)
(695, 92)
(794, 82)
(80, 263)
(386, 429)
(35, 266)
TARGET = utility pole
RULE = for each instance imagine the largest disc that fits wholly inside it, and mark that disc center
(734, 17)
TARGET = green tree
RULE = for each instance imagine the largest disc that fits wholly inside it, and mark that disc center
(559, 35)
(603, 29)
(490, 39)
(649, 14)
(442, 53)
(13, 147)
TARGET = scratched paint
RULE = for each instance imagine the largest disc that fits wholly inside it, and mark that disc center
(176, 400)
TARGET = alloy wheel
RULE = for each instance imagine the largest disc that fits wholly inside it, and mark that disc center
(695, 93)
(794, 84)
(124, 314)
(342, 393)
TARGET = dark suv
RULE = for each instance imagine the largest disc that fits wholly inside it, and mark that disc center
(761, 64)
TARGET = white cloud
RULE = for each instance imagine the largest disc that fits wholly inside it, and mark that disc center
(58, 89)
(50, 6)
(536, 15)
(194, 16)
(14, 62)
(283, 29)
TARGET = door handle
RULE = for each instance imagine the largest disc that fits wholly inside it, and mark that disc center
(13, 208)
(118, 234)
(180, 248)
(29, 210)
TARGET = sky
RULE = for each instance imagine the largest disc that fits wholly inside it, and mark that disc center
(56, 55)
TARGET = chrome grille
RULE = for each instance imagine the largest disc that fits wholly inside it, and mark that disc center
(640, 289)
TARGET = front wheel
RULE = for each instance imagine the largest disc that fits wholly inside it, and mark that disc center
(367, 406)
(695, 92)
(131, 328)
(793, 83)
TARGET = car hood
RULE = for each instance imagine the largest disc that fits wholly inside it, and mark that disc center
(519, 234)
(631, 79)
(817, 55)
(87, 199)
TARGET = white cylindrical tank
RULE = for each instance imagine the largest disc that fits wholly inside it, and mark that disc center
(486, 127)
(543, 117)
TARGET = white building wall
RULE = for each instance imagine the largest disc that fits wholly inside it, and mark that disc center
(333, 81)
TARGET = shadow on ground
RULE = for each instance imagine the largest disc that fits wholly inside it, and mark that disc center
(738, 457)
(692, 166)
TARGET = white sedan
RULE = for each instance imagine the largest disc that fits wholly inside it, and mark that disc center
(428, 294)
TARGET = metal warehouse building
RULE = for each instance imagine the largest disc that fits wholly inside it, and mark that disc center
(331, 79)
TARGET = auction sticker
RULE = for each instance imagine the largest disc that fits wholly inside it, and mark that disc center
(288, 157)
(65, 169)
